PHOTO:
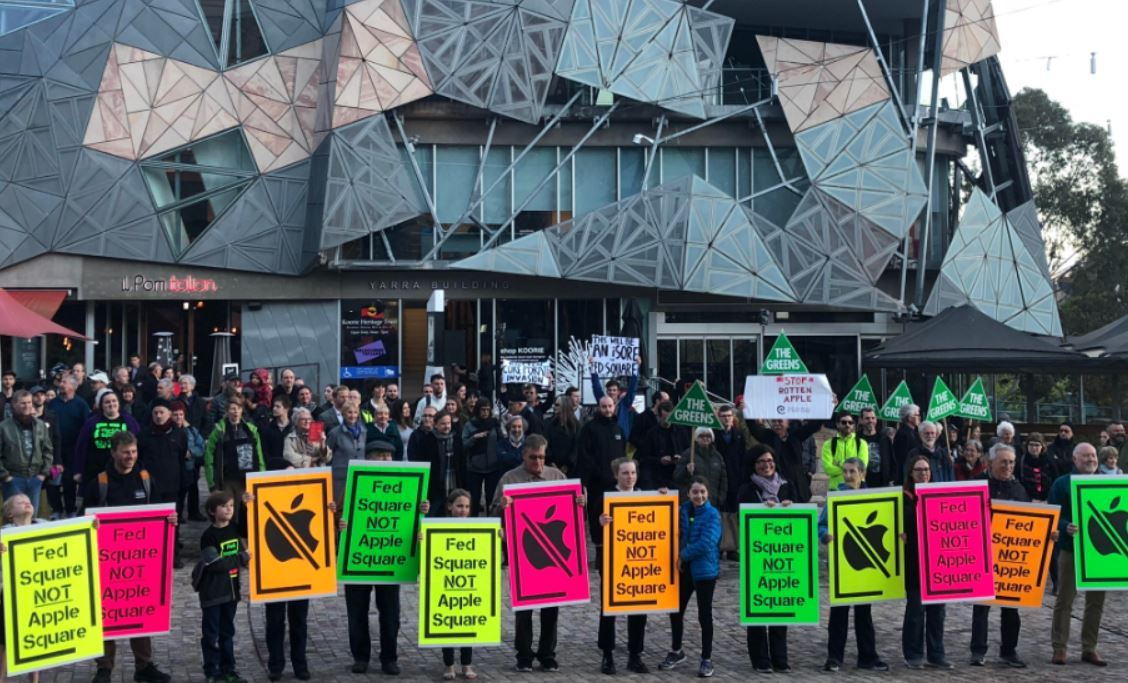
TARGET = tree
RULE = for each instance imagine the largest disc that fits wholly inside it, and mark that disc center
(1083, 202)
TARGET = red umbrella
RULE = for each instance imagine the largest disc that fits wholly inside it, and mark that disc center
(16, 320)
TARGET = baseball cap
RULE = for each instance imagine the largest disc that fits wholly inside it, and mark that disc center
(99, 376)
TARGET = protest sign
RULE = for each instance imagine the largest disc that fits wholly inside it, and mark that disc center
(52, 605)
(640, 553)
(291, 535)
(695, 410)
(782, 359)
(1021, 536)
(1100, 511)
(943, 402)
(859, 398)
(544, 538)
(381, 542)
(793, 397)
(526, 372)
(890, 410)
(779, 565)
(613, 356)
(954, 542)
(866, 557)
(460, 582)
(135, 551)
(974, 404)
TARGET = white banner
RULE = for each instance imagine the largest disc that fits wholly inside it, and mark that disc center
(613, 356)
(526, 372)
(791, 397)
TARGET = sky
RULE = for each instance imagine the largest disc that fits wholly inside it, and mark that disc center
(1064, 33)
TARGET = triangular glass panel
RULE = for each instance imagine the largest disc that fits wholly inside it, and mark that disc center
(235, 29)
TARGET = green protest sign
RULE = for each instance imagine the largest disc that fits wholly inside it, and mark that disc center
(900, 397)
(381, 542)
(866, 556)
(974, 404)
(943, 402)
(782, 359)
(1100, 511)
(695, 410)
(460, 582)
(860, 397)
(779, 565)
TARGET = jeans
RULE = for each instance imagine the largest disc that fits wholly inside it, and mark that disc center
(29, 486)
(142, 653)
(465, 656)
(837, 630)
(218, 641)
(388, 607)
(474, 483)
(1063, 608)
(523, 635)
(767, 647)
(704, 590)
(277, 613)
(922, 627)
(1012, 622)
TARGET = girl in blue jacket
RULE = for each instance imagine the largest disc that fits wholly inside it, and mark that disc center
(699, 562)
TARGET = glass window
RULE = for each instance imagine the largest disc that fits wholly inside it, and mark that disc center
(496, 207)
(539, 213)
(614, 316)
(16, 15)
(235, 30)
(595, 179)
(745, 361)
(679, 162)
(718, 373)
(457, 168)
(632, 165)
(722, 169)
(525, 328)
(836, 357)
(668, 359)
(578, 318)
(691, 359)
(425, 157)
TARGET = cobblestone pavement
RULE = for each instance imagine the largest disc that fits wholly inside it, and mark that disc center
(179, 652)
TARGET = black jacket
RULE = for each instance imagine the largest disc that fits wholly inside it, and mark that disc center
(1004, 490)
(273, 437)
(601, 442)
(789, 453)
(162, 453)
(904, 442)
(147, 387)
(1036, 475)
(644, 423)
(671, 440)
(1061, 452)
(121, 489)
(562, 446)
(222, 557)
(735, 453)
(429, 451)
(195, 409)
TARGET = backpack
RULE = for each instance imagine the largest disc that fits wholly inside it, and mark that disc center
(104, 486)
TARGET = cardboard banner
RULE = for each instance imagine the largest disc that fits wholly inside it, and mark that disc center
(614, 356)
(954, 542)
(526, 372)
(782, 359)
(135, 549)
(943, 402)
(695, 410)
(291, 535)
(974, 404)
(866, 558)
(1100, 511)
(792, 397)
(460, 583)
(545, 543)
(890, 410)
(860, 397)
(52, 595)
(381, 542)
(779, 565)
(1021, 537)
(640, 553)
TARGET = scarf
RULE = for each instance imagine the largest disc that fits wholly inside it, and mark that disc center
(769, 488)
(353, 429)
(162, 429)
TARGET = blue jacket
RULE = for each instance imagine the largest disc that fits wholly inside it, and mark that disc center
(625, 409)
(701, 541)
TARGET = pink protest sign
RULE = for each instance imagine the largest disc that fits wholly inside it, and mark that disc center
(135, 548)
(954, 532)
(544, 535)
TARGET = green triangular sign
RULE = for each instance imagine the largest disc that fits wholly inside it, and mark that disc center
(782, 359)
(943, 402)
(900, 397)
(861, 396)
(974, 404)
(695, 410)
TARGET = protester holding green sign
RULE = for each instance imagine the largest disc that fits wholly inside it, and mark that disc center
(382, 505)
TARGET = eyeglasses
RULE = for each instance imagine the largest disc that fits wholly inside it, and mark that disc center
(846, 423)
(765, 461)
(922, 470)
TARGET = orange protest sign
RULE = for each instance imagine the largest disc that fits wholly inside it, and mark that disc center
(291, 535)
(1020, 536)
(640, 553)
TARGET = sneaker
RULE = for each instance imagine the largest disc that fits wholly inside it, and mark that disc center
(706, 669)
(635, 665)
(524, 667)
(549, 665)
(390, 668)
(784, 669)
(102, 676)
(762, 668)
(274, 676)
(832, 666)
(1013, 661)
(876, 665)
(359, 667)
(233, 677)
(939, 664)
(151, 674)
(978, 660)
(608, 665)
(914, 664)
(672, 659)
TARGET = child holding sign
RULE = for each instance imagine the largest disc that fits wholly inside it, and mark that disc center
(18, 511)
(458, 505)
(216, 579)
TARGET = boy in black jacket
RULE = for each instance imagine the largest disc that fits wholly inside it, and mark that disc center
(216, 579)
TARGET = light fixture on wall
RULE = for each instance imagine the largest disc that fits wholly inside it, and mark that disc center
(639, 138)
(186, 305)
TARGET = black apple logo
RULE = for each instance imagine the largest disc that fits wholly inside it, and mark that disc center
(863, 544)
(543, 542)
(1109, 530)
(281, 542)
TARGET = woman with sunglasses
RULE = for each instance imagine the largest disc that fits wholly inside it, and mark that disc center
(844, 445)
(767, 645)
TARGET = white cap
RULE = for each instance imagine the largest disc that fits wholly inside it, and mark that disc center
(99, 376)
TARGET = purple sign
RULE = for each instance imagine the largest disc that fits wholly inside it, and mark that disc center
(369, 352)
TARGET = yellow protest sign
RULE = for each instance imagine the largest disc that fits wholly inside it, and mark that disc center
(866, 557)
(291, 535)
(52, 603)
(640, 553)
(460, 582)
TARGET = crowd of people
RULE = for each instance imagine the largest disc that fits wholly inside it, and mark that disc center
(142, 434)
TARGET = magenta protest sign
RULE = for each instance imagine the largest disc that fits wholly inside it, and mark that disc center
(954, 532)
(544, 534)
(135, 548)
